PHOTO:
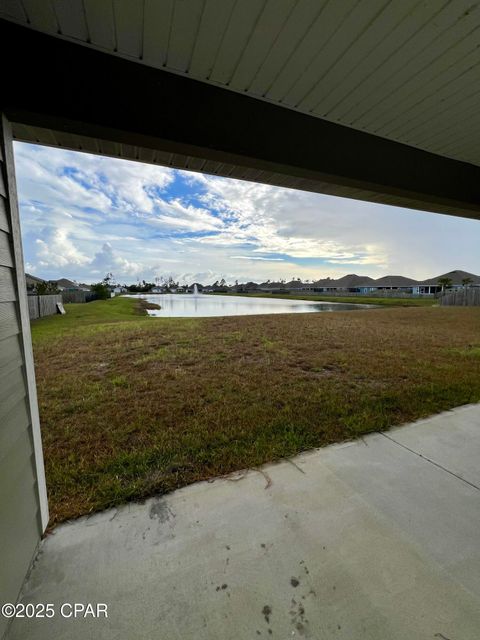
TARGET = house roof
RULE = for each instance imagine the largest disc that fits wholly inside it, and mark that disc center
(324, 282)
(352, 280)
(455, 276)
(272, 285)
(395, 281)
(32, 279)
(64, 282)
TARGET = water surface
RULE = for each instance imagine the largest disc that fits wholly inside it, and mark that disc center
(202, 306)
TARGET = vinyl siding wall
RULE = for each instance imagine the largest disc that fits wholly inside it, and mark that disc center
(20, 515)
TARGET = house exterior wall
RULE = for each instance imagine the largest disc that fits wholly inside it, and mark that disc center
(23, 506)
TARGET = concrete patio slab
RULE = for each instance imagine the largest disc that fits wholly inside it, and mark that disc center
(456, 449)
(366, 539)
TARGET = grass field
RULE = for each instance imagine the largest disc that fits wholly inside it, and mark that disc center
(131, 405)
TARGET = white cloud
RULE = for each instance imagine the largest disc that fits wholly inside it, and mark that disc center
(107, 260)
(59, 251)
(257, 258)
(72, 179)
(83, 215)
(277, 220)
(185, 217)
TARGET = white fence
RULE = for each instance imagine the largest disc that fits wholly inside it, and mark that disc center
(40, 306)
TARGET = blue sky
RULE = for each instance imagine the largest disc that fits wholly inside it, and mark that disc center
(84, 215)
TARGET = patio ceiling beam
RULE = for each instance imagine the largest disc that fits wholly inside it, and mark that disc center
(55, 84)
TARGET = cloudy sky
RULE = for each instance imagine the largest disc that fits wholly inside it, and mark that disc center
(84, 215)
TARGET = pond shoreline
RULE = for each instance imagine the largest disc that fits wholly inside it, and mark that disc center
(205, 306)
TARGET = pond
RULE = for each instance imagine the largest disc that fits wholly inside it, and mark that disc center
(203, 305)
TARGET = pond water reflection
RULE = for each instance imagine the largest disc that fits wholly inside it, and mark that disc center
(203, 305)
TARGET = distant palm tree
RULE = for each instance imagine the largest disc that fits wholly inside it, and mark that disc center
(445, 283)
(465, 282)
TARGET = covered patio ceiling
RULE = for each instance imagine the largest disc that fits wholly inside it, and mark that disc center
(370, 100)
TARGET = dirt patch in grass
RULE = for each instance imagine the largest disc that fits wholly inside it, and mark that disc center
(144, 305)
(139, 406)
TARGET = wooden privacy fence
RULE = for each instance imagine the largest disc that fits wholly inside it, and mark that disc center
(40, 306)
(468, 297)
(78, 296)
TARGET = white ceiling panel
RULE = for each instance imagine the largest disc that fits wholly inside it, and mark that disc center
(128, 20)
(235, 39)
(72, 19)
(214, 22)
(407, 70)
(284, 88)
(101, 23)
(267, 28)
(389, 54)
(14, 10)
(423, 51)
(455, 137)
(185, 22)
(463, 140)
(432, 116)
(338, 29)
(40, 15)
(376, 42)
(445, 89)
(294, 30)
(156, 31)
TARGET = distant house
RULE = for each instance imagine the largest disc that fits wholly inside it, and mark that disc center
(273, 287)
(245, 288)
(63, 284)
(117, 290)
(157, 289)
(400, 283)
(216, 288)
(32, 282)
(352, 283)
(294, 285)
(355, 284)
(457, 277)
(324, 285)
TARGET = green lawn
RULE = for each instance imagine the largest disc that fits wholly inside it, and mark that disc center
(88, 318)
(132, 405)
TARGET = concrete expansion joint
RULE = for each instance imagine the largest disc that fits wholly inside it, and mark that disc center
(436, 464)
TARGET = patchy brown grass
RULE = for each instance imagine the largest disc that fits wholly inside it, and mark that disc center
(144, 305)
(145, 405)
